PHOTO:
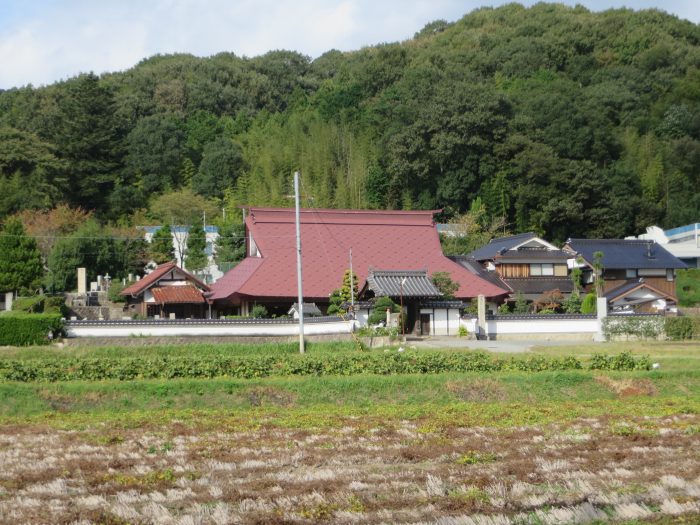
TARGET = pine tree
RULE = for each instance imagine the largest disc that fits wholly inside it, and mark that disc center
(196, 258)
(20, 260)
(161, 248)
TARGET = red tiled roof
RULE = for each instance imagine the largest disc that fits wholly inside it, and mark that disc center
(235, 278)
(390, 240)
(177, 294)
(158, 273)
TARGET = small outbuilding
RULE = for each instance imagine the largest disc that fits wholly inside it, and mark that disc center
(310, 310)
(168, 291)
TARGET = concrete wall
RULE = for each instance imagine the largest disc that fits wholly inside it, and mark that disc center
(210, 328)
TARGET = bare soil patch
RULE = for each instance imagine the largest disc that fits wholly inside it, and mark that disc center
(628, 387)
(587, 471)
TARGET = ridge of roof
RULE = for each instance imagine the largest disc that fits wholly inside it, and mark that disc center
(612, 241)
(490, 249)
(344, 211)
(517, 236)
(153, 277)
(148, 279)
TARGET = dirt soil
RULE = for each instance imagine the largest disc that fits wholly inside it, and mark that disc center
(588, 471)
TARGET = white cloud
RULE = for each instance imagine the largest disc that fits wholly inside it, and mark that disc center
(64, 38)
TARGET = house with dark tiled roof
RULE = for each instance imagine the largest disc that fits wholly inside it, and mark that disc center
(525, 263)
(404, 241)
(638, 275)
(168, 291)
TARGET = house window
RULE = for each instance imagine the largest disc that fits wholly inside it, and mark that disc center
(631, 273)
(544, 269)
(669, 274)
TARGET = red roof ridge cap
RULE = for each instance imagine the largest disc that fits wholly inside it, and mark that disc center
(346, 211)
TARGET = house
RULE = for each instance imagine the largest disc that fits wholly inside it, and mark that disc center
(168, 291)
(525, 263)
(637, 275)
(389, 240)
(682, 242)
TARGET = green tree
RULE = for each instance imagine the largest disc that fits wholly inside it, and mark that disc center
(88, 139)
(445, 284)
(230, 245)
(521, 306)
(196, 258)
(20, 261)
(343, 294)
(222, 162)
(154, 159)
(91, 247)
(182, 207)
(598, 273)
(161, 247)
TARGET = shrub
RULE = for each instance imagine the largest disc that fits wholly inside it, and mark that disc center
(258, 312)
(572, 305)
(33, 304)
(246, 367)
(640, 327)
(622, 361)
(588, 305)
(379, 310)
(115, 287)
(678, 328)
(462, 331)
(23, 329)
(56, 304)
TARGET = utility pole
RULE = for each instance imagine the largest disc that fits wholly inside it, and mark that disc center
(301, 295)
(352, 287)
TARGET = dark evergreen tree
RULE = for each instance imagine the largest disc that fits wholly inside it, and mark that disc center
(221, 165)
(89, 141)
(195, 256)
(20, 261)
(161, 247)
(230, 246)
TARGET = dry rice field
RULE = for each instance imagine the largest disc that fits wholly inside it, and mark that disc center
(591, 470)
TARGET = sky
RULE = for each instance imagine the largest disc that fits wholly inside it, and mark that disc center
(44, 41)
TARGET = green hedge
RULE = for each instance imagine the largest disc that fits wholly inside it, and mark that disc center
(23, 329)
(678, 328)
(163, 367)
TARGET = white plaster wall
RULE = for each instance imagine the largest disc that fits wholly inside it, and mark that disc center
(541, 326)
(337, 327)
(362, 317)
(443, 321)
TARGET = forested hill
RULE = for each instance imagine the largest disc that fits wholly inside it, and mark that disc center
(563, 121)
